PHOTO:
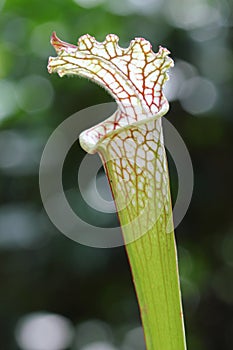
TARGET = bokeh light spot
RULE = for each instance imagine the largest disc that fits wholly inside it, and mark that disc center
(172, 86)
(191, 14)
(44, 331)
(198, 95)
(19, 154)
(15, 32)
(206, 33)
(181, 72)
(20, 228)
(34, 93)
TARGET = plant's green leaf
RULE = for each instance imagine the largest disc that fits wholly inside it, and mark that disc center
(130, 144)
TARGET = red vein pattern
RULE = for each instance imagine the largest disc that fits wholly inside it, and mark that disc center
(130, 144)
(133, 76)
(132, 137)
(139, 170)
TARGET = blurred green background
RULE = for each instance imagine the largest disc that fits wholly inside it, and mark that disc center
(57, 294)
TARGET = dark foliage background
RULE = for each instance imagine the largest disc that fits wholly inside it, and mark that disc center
(79, 297)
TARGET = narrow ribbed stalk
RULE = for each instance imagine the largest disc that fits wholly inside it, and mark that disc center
(147, 229)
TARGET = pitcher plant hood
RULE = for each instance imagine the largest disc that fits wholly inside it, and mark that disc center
(134, 76)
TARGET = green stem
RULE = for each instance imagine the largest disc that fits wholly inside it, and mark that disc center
(157, 287)
(149, 235)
